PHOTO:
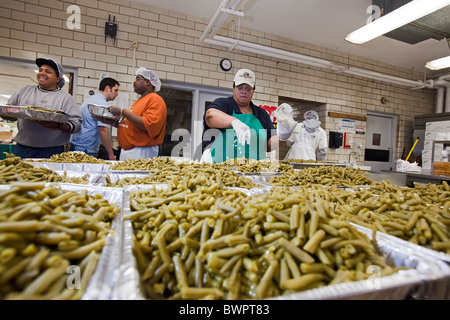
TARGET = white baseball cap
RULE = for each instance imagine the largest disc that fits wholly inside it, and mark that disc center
(244, 76)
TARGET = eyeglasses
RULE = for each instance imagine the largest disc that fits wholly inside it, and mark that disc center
(139, 78)
(244, 88)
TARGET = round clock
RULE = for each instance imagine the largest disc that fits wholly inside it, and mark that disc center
(225, 64)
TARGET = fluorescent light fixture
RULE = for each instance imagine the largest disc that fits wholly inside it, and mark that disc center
(405, 14)
(439, 63)
(7, 96)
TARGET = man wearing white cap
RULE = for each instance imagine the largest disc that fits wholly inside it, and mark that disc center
(241, 128)
(143, 126)
(42, 139)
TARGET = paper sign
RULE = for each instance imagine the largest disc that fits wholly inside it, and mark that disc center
(346, 125)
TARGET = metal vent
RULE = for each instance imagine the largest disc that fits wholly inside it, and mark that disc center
(433, 26)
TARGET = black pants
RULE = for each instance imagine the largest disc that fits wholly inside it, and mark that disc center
(25, 152)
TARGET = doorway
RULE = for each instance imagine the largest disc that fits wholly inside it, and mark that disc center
(381, 135)
(186, 105)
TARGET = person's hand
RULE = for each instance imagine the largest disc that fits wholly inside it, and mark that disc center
(286, 129)
(49, 124)
(115, 111)
(242, 131)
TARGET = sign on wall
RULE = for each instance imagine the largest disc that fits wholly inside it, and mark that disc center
(346, 125)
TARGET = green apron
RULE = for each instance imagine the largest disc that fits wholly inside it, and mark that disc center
(227, 147)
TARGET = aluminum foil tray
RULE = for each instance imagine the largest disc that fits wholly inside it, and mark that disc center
(80, 167)
(262, 174)
(116, 176)
(105, 278)
(303, 165)
(433, 254)
(129, 287)
(261, 179)
(101, 113)
(437, 280)
(131, 171)
(93, 178)
(427, 278)
(25, 112)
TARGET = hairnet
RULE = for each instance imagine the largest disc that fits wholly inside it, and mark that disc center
(285, 109)
(311, 114)
(150, 75)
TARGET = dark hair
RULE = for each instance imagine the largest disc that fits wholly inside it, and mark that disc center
(108, 82)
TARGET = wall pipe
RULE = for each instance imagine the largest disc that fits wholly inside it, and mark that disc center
(221, 17)
(440, 100)
(316, 62)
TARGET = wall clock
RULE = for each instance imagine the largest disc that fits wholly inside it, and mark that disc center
(225, 64)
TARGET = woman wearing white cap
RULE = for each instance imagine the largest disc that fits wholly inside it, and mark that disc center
(42, 139)
(144, 124)
(241, 129)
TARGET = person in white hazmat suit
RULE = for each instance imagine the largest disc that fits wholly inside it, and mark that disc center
(308, 140)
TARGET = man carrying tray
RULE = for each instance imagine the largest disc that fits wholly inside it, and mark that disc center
(92, 131)
(42, 139)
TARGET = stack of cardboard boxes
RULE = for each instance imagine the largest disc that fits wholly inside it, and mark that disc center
(435, 131)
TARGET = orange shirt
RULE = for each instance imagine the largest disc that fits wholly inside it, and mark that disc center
(153, 111)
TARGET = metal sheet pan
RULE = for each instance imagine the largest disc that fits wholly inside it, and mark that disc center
(24, 112)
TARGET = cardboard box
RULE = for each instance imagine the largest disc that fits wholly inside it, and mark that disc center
(441, 169)
(5, 135)
(426, 154)
(438, 126)
(426, 164)
(433, 135)
(428, 145)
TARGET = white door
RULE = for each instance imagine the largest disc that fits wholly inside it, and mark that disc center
(380, 141)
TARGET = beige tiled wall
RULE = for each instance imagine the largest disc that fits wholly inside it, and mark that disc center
(168, 43)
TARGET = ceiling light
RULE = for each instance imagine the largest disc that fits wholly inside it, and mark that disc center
(405, 14)
(7, 96)
(439, 63)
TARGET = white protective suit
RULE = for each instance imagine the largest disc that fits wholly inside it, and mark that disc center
(309, 140)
